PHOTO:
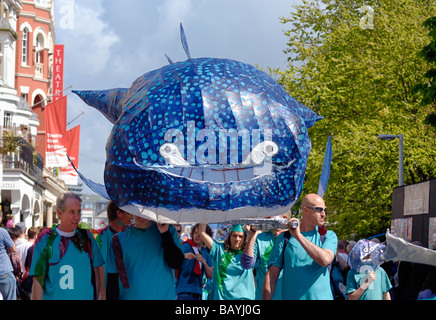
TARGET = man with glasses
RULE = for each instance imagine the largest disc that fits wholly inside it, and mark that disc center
(304, 255)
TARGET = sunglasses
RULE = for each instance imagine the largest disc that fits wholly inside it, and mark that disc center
(318, 209)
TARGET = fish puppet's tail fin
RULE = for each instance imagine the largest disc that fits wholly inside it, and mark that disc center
(108, 102)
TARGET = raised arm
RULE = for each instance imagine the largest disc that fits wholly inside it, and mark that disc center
(207, 240)
(252, 236)
(248, 260)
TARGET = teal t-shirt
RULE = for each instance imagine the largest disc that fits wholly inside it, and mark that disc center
(230, 280)
(68, 278)
(303, 278)
(104, 240)
(375, 290)
(149, 275)
(262, 251)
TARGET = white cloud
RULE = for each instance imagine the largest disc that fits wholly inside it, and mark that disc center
(90, 39)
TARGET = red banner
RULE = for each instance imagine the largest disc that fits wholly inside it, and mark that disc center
(58, 71)
(55, 131)
(67, 173)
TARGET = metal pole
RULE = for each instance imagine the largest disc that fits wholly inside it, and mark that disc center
(401, 165)
(50, 97)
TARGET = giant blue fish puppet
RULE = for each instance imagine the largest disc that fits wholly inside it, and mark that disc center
(203, 140)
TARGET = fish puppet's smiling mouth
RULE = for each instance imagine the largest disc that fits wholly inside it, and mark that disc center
(255, 165)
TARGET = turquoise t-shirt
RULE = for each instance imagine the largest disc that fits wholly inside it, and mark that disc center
(375, 290)
(262, 251)
(303, 278)
(105, 238)
(149, 275)
(70, 279)
(230, 280)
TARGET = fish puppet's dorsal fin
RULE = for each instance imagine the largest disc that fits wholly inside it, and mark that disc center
(184, 42)
(108, 102)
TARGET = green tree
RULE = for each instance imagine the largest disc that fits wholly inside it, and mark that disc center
(356, 67)
(428, 88)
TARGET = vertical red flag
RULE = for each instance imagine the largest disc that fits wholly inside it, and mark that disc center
(58, 71)
(67, 173)
(55, 131)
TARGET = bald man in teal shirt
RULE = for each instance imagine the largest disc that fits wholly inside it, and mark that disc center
(305, 258)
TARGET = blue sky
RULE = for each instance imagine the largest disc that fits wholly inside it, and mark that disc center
(109, 44)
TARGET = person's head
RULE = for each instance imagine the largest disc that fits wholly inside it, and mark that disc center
(195, 235)
(179, 229)
(342, 246)
(21, 227)
(9, 223)
(14, 232)
(141, 223)
(235, 240)
(314, 210)
(114, 213)
(32, 233)
(69, 210)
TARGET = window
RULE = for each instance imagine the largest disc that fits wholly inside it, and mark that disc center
(39, 48)
(7, 121)
(25, 43)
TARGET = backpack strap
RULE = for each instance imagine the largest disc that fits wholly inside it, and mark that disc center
(87, 247)
(286, 238)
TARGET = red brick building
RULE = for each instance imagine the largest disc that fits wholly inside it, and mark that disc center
(34, 59)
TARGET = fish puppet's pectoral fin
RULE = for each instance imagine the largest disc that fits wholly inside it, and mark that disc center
(108, 102)
(100, 189)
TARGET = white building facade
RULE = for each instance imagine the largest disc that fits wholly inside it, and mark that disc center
(28, 189)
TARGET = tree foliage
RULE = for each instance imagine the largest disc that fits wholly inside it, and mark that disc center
(359, 76)
(428, 88)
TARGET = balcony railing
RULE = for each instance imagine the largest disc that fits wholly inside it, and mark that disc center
(25, 159)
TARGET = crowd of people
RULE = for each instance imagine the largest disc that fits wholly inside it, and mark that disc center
(134, 258)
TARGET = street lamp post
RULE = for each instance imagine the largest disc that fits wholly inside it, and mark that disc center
(401, 165)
